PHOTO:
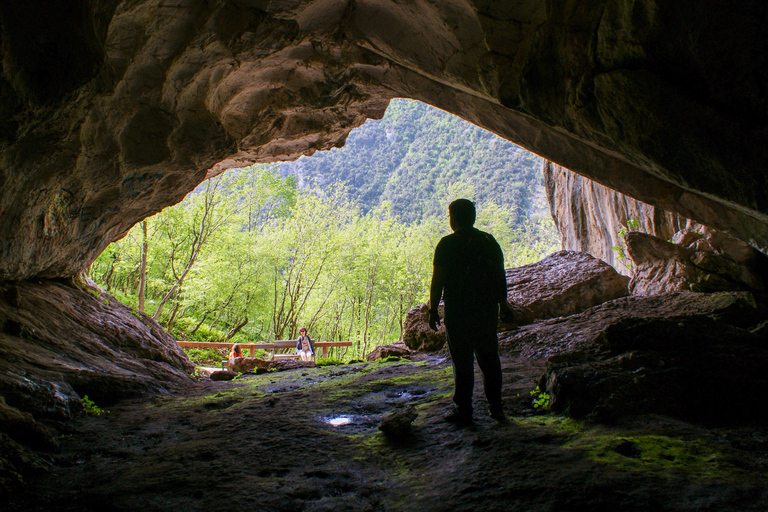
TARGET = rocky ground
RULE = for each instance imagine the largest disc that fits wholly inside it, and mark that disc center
(267, 442)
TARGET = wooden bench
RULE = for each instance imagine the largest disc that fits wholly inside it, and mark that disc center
(272, 347)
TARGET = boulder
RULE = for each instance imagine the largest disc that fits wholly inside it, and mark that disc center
(223, 375)
(571, 334)
(687, 355)
(397, 348)
(695, 369)
(289, 364)
(562, 284)
(397, 424)
(246, 364)
(696, 261)
(418, 335)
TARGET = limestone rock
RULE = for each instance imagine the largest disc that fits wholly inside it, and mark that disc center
(290, 364)
(704, 262)
(223, 375)
(60, 341)
(397, 348)
(695, 369)
(246, 364)
(573, 333)
(562, 284)
(397, 424)
(589, 216)
(418, 335)
(687, 355)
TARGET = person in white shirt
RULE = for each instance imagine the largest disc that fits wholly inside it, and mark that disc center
(305, 346)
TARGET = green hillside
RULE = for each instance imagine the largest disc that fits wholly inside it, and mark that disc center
(410, 158)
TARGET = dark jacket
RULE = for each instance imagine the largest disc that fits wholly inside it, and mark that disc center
(311, 344)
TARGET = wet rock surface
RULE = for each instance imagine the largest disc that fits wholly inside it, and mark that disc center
(268, 442)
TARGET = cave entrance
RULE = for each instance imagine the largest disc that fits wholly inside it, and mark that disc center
(339, 242)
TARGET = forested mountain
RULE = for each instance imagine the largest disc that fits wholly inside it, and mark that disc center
(411, 156)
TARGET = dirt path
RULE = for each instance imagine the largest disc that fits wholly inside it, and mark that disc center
(266, 443)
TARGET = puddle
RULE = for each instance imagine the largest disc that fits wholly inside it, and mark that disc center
(353, 422)
(340, 421)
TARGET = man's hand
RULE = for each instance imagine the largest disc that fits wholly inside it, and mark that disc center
(434, 319)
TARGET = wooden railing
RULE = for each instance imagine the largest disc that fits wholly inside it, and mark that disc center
(278, 344)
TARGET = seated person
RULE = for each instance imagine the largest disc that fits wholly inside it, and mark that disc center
(305, 347)
(236, 351)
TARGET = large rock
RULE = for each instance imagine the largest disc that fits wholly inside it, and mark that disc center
(645, 98)
(562, 284)
(247, 364)
(398, 349)
(571, 334)
(61, 341)
(688, 355)
(418, 335)
(702, 262)
(695, 369)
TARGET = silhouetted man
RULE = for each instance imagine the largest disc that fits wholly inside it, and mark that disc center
(469, 275)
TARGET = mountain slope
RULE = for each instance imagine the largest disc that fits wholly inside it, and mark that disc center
(411, 157)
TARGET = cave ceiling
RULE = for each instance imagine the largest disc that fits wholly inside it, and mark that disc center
(111, 110)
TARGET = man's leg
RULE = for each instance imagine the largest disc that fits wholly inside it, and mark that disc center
(487, 351)
(463, 361)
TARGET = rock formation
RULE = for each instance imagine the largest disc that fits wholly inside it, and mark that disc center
(685, 355)
(562, 284)
(61, 341)
(418, 335)
(398, 349)
(696, 261)
(126, 106)
(112, 110)
(589, 216)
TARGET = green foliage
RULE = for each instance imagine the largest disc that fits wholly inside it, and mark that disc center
(91, 408)
(205, 356)
(540, 399)
(416, 152)
(328, 361)
(621, 248)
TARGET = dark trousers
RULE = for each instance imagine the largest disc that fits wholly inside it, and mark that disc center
(469, 336)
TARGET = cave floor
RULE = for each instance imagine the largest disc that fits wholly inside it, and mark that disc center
(266, 442)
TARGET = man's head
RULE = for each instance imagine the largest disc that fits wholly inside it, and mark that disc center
(461, 213)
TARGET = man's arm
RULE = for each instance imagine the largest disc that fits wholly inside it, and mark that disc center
(435, 293)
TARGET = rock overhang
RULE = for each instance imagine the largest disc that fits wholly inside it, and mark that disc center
(664, 101)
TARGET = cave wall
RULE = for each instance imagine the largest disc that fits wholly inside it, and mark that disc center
(588, 216)
(112, 110)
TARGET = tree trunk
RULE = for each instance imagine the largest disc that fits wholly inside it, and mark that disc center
(205, 315)
(143, 269)
(235, 329)
(173, 317)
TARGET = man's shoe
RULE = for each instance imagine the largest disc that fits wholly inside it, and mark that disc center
(497, 412)
(459, 416)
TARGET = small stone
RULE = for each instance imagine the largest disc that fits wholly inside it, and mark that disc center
(397, 424)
